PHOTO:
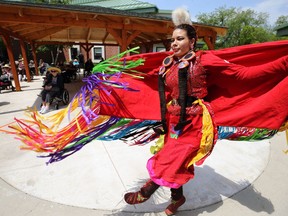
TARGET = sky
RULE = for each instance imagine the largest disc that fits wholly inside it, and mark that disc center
(274, 8)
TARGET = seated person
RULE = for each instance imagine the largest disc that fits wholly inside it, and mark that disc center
(31, 67)
(6, 76)
(88, 67)
(75, 62)
(42, 67)
(21, 70)
(70, 72)
(53, 87)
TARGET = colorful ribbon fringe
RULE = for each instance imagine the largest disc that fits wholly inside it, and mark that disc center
(88, 125)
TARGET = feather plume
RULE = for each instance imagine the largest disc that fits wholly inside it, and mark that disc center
(181, 16)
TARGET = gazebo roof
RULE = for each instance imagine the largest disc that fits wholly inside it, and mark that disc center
(282, 30)
(130, 5)
(51, 23)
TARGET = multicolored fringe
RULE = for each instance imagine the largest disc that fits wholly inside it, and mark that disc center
(131, 131)
(42, 134)
(139, 132)
(78, 133)
(245, 133)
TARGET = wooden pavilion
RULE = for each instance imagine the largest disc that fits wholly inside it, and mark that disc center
(38, 24)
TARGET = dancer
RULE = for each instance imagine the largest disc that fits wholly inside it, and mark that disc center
(199, 92)
(188, 124)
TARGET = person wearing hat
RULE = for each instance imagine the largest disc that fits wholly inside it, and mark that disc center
(6, 76)
(6, 69)
(21, 70)
(53, 87)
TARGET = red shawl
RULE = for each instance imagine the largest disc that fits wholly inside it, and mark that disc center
(248, 86)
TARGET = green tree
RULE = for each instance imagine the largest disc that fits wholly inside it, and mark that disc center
(281, 21)
(244, 26)
(54, 51)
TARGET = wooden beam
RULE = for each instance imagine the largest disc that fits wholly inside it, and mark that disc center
(124, 44)
(88, 34)
(44, 33)
(39, 43)
(132, 37)
(33, 47)
(32, 31)
(74, 43)
(143, 38)
(24, 56)
(9, 25)
(68, 34)
(65, 21)
(105, 37)
(21, 28)
(202, 32)
(116, 35)
(11, 33)
(147, 37)
(87, 47)
(208, 42)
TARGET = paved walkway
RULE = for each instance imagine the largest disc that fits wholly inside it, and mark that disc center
(239, 178)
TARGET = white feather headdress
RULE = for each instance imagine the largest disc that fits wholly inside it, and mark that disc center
(181, 16)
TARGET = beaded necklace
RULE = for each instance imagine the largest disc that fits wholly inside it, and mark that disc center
(183, 62)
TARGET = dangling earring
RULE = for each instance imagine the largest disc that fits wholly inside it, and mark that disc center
(192, 46)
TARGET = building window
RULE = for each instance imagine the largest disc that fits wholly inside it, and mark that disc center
(159, 48)
(98, 54)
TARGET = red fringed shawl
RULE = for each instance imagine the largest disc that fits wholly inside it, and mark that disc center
(248, 86)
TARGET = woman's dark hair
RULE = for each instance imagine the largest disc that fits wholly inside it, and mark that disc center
(191, 32)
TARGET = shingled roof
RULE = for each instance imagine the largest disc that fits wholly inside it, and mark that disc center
(89, 7)
(130, 5)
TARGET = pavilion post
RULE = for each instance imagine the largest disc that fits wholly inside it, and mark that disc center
(33, 47)
(24, 56)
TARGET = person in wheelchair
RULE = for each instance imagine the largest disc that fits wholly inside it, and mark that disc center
(53, 88)
(5, 78)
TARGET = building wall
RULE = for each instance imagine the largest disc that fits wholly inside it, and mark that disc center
(111, 51)
(108, 51)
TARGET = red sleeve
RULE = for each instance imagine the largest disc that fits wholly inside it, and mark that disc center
(255, 96)
(251, 90)
(253, 54)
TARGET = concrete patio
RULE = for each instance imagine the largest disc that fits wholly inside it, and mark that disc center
(239, 178)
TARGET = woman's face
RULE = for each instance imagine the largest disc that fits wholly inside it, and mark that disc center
(180, 43)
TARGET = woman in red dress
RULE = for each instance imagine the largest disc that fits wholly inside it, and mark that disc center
(249, 95)
(188, 129)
